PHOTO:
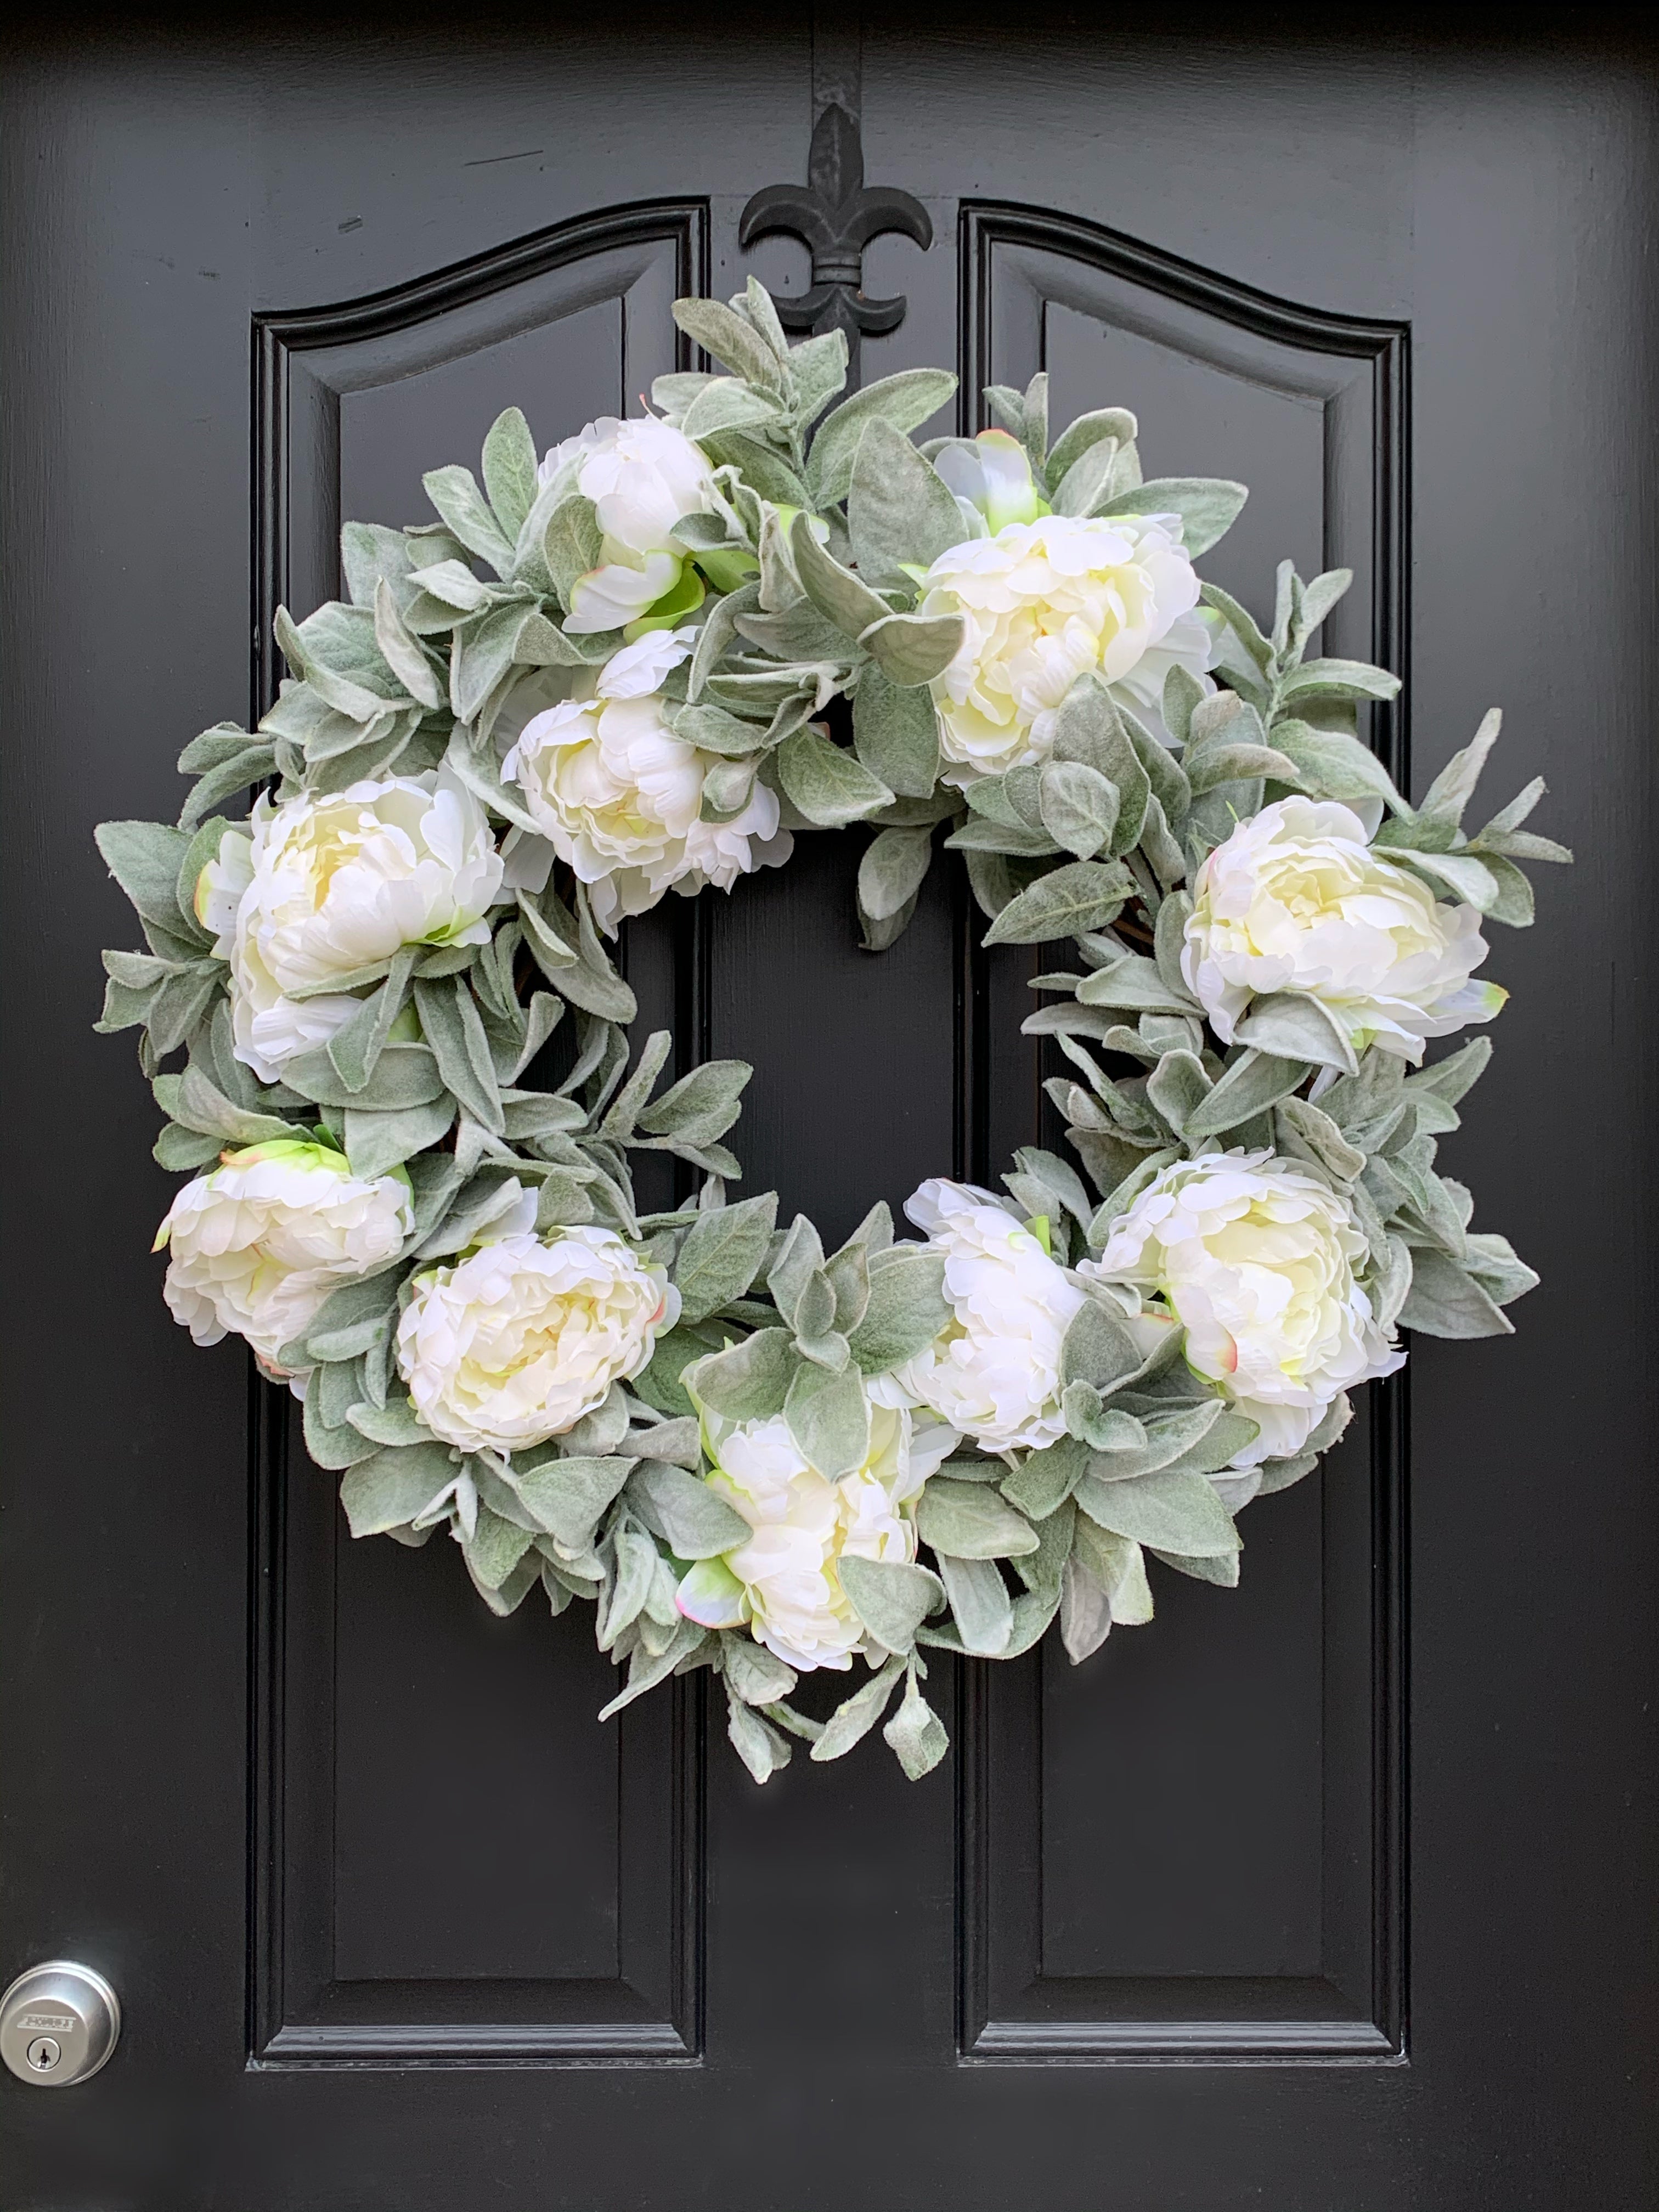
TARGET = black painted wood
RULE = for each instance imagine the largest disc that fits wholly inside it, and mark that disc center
(1080, 1789)
(418, 1782)
(1336, 1891)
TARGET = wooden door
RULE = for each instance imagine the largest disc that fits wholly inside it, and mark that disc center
(1334, 1890)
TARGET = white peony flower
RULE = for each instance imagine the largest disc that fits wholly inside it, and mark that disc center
(995, 1372)
(321, 885)
(1044, 602)
(1296, 900)
(642, 476)
(1256, 1258)
(618, 796)
(515, 1343)
(259, 1244)
(783, 1582)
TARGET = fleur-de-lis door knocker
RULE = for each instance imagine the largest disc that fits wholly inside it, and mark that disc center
(836, 215)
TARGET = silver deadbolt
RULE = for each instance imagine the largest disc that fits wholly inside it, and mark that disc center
(58, 2023)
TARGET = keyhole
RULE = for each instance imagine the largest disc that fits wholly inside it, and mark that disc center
(44, 2053)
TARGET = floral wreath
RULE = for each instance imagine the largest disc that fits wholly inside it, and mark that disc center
(603, 676)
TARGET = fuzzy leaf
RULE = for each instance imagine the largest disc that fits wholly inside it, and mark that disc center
(834, 591)
(907, 1309)
(646, 1668)
(828, 1417)
(905, 401)
(852, 1720)
(1255, 1081)
(1117, 1565)
(891, 1597)
(915, 1735)
(1218, 765)
(969, 1521)
(1453, 788)
(1293, 1027)
(978, 1603)
(1042, 1482)
(1178, 1087)
(732, 339)
(892, 871)
(747, 1381)
(828, 785)
(912, 649)
(566, 1497)
(1314, 1131)
(722, 1254)
(1339, 679)
(509, 470)
(1192, 1439)
(756, 1741)
(1116, 423)
(701, 1105)
(196, 1104)
(797, 1256)
(899, 510)
(1474, 881)
(1090, 728)
(1097, 1347)
(895, 733)
(758, 1676)
(453, 1028)
(572, 543)
(1136, 985)
(393, 1488)
(696, 1521)
(1330, 764)
(1087, 484)
(1208, 506)
(1450, 1078)
(1082, 894)
(1445, 1300)
(1171, 1510)
(456, 495)
(145, 857)
(1080, 806)
(403, 656)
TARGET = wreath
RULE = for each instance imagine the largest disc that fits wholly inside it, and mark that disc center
(407, 1101)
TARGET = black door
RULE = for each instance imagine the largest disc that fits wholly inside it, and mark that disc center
(1335, 1892)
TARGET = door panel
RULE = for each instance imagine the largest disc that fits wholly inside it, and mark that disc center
(395, 1921)
(463, 1860)
(1196, 1842)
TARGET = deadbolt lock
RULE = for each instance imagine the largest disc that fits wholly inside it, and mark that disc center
(58, 2023)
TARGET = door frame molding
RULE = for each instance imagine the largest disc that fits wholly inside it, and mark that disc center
(279, 335)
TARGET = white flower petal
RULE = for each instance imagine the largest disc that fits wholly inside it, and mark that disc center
(619, 795)
(643, 476)
(994, 1373)
(1296, 899)
(803, 1525)
(515, 1342)
(1043, 601)
(258, 1245)
(328, 883)
(1256, 1258)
